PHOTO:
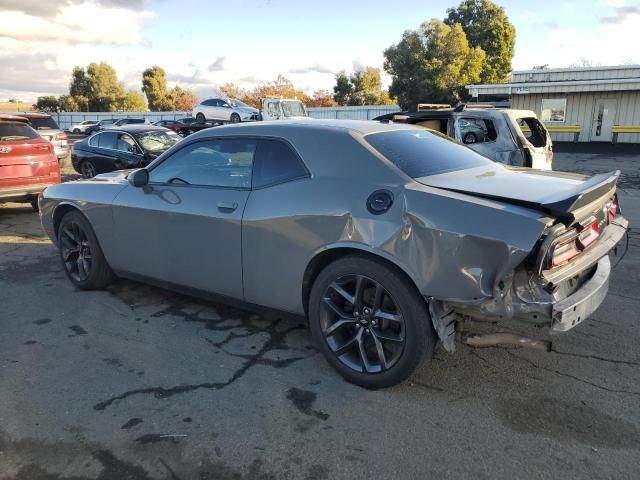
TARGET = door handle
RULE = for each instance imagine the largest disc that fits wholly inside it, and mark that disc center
(227, 207)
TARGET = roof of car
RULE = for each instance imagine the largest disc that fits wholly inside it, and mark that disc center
(134, 128)
(277, 127)
(34, 115)
(4, 117)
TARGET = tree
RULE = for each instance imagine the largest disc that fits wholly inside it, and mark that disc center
(185, 100)
(321, 98)
(47, 104)
(154, 86)
(432, 64)
(105, 92)
(488, 27)
(363, 87)
(68, 103)
(343, 89)
(134, 102)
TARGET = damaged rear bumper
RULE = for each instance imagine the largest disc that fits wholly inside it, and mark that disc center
(569, 312)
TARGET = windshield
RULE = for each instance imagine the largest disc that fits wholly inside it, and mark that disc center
(237, 103)
(46, 123)
(16, 131)
(420, 153)
(158, 141)
(293, 108)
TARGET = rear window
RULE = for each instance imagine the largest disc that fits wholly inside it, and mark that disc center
(10, 131)
(47, 123)
(420, 153)
(533, 131)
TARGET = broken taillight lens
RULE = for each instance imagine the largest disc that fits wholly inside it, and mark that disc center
(563, 252)
(589, 234)
(61, 136)
(612, 210)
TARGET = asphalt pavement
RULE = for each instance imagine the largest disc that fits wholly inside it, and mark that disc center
(138, 383)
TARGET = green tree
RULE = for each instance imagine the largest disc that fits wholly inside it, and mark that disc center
(343, 88)
(363, 87)
(432, 64)
(105, 92)
(67, 103)
(47, 104)
(134, 102)
(154, 86)
(488, 27)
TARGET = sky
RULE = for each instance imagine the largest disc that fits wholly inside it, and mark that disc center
(203, 44)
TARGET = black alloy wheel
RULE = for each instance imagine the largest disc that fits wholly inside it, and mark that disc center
(87, 169)
(369, 321)
(76, 251)
(362, 324)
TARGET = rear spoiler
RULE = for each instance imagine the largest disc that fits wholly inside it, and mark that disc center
(583, 194)
(563, 205)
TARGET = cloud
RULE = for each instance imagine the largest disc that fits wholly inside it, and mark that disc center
(315, 68)
(49, 8)
(622, 15)
(217, 65)
(24, 74)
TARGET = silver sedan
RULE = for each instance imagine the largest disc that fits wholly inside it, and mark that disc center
(386, 237)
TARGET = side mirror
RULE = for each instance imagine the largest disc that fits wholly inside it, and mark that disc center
(139, 178)
(226, 105)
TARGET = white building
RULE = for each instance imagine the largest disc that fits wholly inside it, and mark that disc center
(588, 104)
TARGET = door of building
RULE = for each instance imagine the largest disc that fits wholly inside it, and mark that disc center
(603, 115)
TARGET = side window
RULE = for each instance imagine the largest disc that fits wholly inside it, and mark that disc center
(126, 143)
(477, 130)
(213, 163)
(107, 140)
(272, 108)
(533, 131)
(276, 162)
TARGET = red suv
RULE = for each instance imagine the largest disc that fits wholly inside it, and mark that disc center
(28, 163)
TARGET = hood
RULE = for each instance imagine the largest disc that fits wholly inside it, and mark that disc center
(118, 176)
(555, 193)
(247, 109)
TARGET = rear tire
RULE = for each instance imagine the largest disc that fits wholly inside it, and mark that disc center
(200, 118)
(82, 258)
(34, 204)
(375, 341)
(235, 118)
(87, 169)
(469, 138)
(76, 130)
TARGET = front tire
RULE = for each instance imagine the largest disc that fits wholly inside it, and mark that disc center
(370, 322)
(76, 130)
(82, 258)
(235, 118)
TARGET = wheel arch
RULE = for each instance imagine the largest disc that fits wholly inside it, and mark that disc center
(60, 211)
(330, 254)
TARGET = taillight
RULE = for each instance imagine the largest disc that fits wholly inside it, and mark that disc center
(612, 210)
(61, 136)
(561, 253)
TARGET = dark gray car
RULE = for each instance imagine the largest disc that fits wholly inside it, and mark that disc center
(385, 236)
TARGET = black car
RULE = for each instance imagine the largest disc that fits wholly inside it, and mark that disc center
(132, 146)
(129, 121)
(101, 125)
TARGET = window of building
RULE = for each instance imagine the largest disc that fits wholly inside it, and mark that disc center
(553, 109)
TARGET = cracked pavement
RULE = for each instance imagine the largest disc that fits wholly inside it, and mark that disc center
(138, 383)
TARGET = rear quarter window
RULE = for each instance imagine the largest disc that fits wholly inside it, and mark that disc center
(47, 123)
(11, 131)
(420, 153)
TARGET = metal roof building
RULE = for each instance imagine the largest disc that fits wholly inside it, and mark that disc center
(588, 104)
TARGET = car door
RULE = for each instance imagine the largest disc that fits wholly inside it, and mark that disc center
(102, 150)
(184, 227)
(129, 154)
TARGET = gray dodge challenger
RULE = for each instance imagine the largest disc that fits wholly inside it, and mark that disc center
(387, 237)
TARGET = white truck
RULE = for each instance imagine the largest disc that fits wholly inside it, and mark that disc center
(278, 108)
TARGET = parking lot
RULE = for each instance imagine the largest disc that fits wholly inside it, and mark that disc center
(140, 383)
